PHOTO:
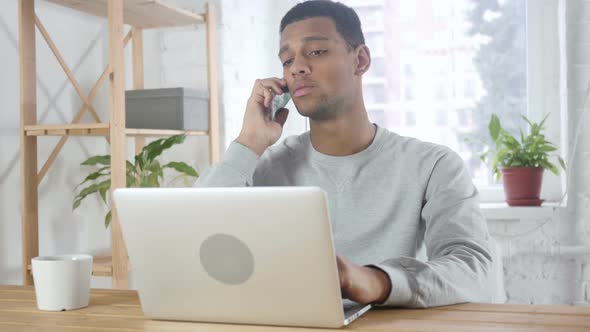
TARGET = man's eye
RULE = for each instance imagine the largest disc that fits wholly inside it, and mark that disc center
(288, 62)
(317, 52)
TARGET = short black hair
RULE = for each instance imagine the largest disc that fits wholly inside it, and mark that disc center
(345, 18)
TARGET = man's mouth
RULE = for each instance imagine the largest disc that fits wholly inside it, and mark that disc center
(302, 91)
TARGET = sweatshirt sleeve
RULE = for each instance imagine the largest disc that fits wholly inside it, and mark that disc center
(236, 169)
(460, 256)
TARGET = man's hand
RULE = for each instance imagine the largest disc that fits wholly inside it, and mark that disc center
(362, 284)
(259, 131)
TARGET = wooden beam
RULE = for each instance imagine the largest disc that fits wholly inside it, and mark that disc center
(118, 141)
(138, 75)
(213, 78)
(65, 67)
(28, 144)
(36, 133)
(163, 132)
(137, 44)
(138, 13)
(68, 126)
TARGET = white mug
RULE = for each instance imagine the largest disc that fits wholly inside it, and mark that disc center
(62, 282)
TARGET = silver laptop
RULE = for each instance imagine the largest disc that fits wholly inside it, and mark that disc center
(261, 255)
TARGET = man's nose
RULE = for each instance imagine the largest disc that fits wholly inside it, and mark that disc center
(300, 66)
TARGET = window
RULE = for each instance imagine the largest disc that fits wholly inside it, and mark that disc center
(407, 11)
(371, 19)
(378, 68)
(441, 118)
(377, 116)
(469, 59)
(408, 92)
(375, 41)
(469, 88)
(408, 70)
(392, 118)
(465, 117)
(441, 91)
(410, 119)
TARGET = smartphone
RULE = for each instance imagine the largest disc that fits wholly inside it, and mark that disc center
(279, 101)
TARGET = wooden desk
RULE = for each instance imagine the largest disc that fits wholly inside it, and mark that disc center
(119, 310)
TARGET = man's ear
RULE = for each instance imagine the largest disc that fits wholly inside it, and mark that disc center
(363, 59)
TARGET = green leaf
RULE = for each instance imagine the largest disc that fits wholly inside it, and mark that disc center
(139, 160)
(483, 156)
(154, 167)
(157, 169)
(509, 140)
(152, 180)
(497, 174)
(494, 127)
(76, 204)
(89, 190)
(131, 181)
(144, 181)
(552, 168)
(94, 176)
(103, 194)
(131, 169)
(107, 219)
(156, 148)
(527, 120)
(543, 121)
(561, 162)
(102, 160)
(547, 148)
(182, 168)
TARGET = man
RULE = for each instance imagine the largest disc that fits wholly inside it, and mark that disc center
(388, 195)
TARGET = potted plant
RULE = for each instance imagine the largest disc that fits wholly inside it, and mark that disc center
(521, 164)
(145, 171)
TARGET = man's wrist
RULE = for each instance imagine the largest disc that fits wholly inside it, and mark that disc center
(383, 282)
(252, 143)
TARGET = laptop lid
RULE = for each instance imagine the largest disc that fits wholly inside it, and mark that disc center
(260, 255)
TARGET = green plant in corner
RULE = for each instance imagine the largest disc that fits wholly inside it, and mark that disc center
(533, 150)
(145, 171)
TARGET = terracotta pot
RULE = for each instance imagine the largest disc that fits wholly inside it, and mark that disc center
(522, 185)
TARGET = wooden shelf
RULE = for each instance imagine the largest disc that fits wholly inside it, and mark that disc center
(163, 132)
(101, 266)
(138, 13)
(81, 129)
(100, 129)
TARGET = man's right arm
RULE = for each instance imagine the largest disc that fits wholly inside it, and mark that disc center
(259, 132)
(235, 170)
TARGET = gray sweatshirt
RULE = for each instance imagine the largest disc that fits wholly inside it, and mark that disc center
(385, 203)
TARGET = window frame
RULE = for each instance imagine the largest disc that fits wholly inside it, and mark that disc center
(543, 90)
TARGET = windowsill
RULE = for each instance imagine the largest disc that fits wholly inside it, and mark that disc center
(503, 212)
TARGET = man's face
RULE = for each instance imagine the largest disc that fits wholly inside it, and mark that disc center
(319, 67)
